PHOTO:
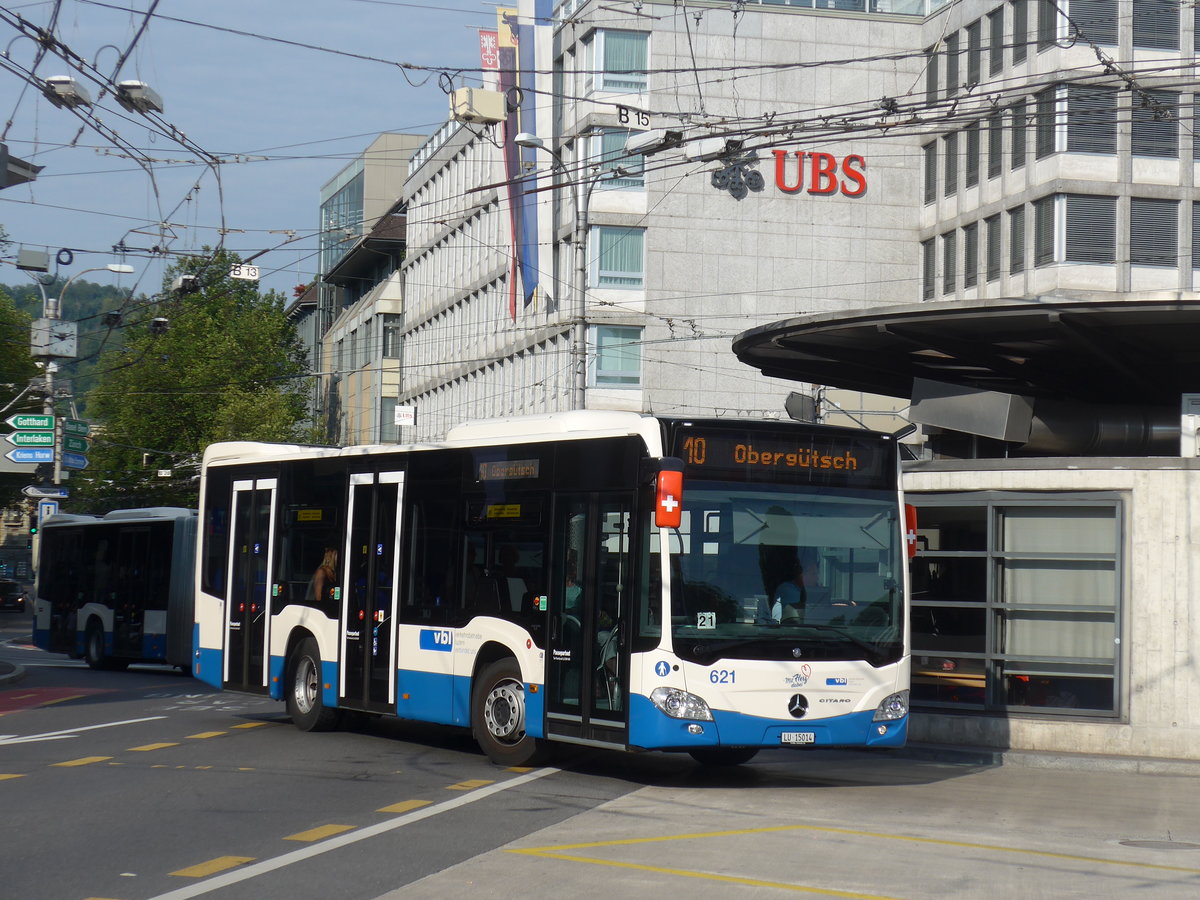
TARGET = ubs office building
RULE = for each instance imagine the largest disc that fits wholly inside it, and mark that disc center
(1050, 356)
(978, 212)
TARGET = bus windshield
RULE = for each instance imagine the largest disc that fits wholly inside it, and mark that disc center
(761, 572)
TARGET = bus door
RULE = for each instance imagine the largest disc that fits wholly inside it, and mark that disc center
(587, 667)
(128, 597)
(248, 612)
(369, 600)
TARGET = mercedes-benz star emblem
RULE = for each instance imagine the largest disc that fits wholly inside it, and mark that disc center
(798, 706)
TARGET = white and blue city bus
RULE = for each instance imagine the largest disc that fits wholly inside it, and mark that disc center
(117, 589)
(598, 578)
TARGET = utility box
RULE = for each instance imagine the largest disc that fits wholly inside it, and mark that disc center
(477, 105)
(1189, 425)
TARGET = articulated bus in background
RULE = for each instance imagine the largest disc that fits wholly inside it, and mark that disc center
(117, 589)
(598, 578)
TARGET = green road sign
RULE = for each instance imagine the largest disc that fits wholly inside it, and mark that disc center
(76, 444)
(31, 422)
(76, 427)
(31, 438)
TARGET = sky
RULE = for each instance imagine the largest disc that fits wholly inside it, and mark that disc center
(287, 118)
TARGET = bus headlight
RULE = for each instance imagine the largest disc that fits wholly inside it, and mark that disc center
(680, 704)
(894, 706)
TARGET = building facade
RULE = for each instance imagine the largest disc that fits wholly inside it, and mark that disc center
(359, 295)
(662, 179)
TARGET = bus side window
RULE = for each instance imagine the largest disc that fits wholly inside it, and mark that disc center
(433, 585)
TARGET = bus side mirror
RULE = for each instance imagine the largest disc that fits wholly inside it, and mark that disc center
(668, 494)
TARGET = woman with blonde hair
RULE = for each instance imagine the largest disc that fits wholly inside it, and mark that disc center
(323, 581)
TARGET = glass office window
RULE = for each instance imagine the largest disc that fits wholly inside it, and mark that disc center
(1016, 603)
(617, 355)
(617, 256)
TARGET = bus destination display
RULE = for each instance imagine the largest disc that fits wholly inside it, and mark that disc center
(779, 456)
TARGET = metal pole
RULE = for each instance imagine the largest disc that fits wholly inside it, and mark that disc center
(579, 351)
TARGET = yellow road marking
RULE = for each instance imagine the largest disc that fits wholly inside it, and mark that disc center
(469, 785)
(709, 876)
(62, 700)
(82, 761)
(520, 769)
(316, 834)
(145, 747)
(7, 777)
(205, 734)
(249, 725)
(967, 845)
(404, 806)
(213, 866)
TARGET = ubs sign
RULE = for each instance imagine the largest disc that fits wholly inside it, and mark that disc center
(796, 171)
(827, 174)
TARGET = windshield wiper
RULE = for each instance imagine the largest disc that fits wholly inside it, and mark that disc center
(872, 650)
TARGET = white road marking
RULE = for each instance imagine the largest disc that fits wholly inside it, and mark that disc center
(68, 733)
(335, 843)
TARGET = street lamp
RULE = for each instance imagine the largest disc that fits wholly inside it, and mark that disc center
(582, 198)
(58, 341)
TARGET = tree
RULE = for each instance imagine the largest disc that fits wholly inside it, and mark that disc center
(223, 363)
(16, 370)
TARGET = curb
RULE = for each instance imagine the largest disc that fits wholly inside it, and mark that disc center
(1050, 759)
(10, 673)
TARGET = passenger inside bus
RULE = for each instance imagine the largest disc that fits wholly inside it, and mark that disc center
(320, 586)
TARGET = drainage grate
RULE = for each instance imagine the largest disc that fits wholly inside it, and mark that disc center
(1161, 845)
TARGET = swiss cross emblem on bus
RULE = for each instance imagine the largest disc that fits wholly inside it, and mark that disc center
(668, 504)
(910, 528)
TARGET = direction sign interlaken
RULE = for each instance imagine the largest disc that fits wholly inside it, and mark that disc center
(31, 438)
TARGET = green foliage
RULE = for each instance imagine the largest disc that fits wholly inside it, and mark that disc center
(16, 370)
(227, 367)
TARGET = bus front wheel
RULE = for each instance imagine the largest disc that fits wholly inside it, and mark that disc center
(305, 703)
(498, 716)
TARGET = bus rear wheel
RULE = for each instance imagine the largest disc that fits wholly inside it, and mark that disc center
(305, 697)
(498, 716)
(723, 756)
(93, 649)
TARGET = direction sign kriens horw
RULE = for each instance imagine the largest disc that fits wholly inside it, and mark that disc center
(32, 455)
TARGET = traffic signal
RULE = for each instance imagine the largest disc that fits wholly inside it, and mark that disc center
(33, 524)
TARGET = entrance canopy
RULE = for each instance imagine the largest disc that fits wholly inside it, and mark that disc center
(1141, 352)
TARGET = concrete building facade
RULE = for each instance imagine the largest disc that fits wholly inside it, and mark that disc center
(790, 162)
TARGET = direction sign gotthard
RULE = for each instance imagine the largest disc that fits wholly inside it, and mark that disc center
(30, 422)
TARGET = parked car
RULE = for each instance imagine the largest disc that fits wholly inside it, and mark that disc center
(11, 595)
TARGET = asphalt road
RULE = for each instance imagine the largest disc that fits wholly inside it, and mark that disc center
(145, 784)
